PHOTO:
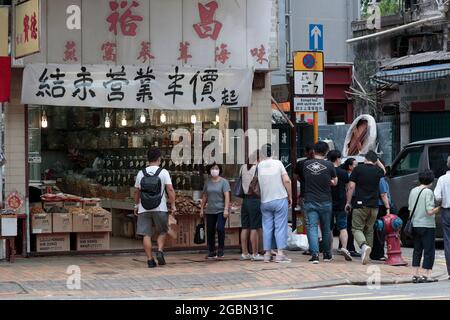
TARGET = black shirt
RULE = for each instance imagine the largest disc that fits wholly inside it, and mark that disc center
(301, 177)
(318, 175)
(339, 192)
(367, 179)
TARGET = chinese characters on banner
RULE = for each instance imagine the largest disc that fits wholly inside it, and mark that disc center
(136, 86)
(27, 28)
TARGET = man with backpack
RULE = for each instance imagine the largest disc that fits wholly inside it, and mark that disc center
(152, 185)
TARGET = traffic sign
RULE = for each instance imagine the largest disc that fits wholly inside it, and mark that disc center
(308, 83)
(303, 104)
(308, 61)
(316, 37)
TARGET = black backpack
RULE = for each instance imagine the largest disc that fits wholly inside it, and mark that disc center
(151, 194)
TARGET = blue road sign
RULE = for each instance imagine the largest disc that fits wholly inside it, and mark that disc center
(316, 37)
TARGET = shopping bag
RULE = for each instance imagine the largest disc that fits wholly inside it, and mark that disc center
(297, 242)
(199, 236)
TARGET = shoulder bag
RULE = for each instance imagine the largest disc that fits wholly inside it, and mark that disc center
(409, 228)
(254, 189)
(238, 189)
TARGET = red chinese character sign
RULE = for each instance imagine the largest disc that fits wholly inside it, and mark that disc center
(70, 53)
(208, 27)
(27, 28)
(122, 18)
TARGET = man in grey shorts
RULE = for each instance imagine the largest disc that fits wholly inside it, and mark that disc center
(159, 216)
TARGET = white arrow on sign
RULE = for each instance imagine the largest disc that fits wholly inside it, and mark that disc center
(316, 33)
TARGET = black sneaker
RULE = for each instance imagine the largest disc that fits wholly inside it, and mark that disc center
(160, 258)
(151, 263)
(314, 259)
(355, 254)
(327, 257)
(220, 254)
(211, 256)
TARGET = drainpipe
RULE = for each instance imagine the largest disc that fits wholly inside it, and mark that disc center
(403, 27)
(445, 38)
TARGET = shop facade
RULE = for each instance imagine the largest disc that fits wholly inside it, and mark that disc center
(87, 107)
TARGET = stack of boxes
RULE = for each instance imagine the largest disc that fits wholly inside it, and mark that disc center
(91, 224)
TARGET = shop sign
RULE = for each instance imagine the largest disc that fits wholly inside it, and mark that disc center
(309, 104)
(27, 28)
(5, 78)
(211, 33)
(136, 87)
(4, 27)
(14, 201)
(34, 159)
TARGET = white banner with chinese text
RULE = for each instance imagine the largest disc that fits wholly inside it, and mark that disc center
(136, 86)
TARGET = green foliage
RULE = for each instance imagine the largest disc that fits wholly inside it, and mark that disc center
(387, 7)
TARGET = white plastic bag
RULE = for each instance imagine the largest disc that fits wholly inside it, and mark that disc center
(297, 241)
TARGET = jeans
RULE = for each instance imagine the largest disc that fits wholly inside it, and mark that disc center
(378, 238)
(215, 222)
(445, 216)
(275, 221)
(424, 240)
(318, 212)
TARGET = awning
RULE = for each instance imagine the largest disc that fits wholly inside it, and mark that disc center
(413, 74)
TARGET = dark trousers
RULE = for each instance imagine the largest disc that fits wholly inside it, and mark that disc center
(351, 239)
(378, 238)
(215, 223)
(445, 216)
(424, 243)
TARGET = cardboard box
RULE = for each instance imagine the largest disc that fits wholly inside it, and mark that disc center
(62, 222)
(41, 223)
(102, 222)
(89, 203)
(50, 204)
(8, 225)
(82, 222)
(93, 241)
(53, 242)
(183, 229)
(234, 220)
(232, 237)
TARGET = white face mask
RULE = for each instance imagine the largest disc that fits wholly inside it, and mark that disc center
(215, 172)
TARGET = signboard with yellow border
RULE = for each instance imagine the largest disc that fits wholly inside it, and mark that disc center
(27, 28)
(308, 61)
(4, 24)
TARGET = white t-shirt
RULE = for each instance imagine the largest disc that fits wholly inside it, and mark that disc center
(270, 174)
(165, 180)
(247, 176)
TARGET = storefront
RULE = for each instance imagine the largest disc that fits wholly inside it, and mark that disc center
(92, 103)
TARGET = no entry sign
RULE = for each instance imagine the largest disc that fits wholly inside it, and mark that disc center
(308, 61)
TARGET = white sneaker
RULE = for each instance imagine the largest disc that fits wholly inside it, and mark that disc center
(258, 257)
(365, 254)
(247, 256)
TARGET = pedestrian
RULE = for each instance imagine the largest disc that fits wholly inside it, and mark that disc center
(378, 237)
(251, 216)
(320, 175)
(349, 165)
(365, 183)
(276, 198)
(338, 193)
(421, 205)
(216, 199)
(151, 207)
(442, 194)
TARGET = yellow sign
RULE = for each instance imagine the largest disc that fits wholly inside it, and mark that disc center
(4, 17)
(27, 28)
(308, 61)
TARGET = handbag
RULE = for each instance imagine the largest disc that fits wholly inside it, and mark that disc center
(199, 236)
(254, 190)
(238, 189)
(409, 228)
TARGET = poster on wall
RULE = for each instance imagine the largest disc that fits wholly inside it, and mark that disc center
(27, 28)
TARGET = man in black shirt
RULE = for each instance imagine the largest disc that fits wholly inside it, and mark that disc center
(309, 154)
(319, 176)
(338, 193)
(365, 181)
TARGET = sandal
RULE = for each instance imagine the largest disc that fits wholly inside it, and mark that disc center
(415, 279)
(424, 279)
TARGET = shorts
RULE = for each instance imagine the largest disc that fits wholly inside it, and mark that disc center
(251, 216)
(147, 220)
(341, 220)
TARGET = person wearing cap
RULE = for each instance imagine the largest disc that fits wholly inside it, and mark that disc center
(362, 197)
(442, 195)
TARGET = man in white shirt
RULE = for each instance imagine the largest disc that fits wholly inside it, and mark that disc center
(276, 197)
(157, 216)
(442, 195)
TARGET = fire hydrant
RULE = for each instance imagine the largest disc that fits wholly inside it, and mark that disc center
(391, 225)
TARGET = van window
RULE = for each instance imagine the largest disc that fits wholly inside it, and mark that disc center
(438, 159)
(408, 163)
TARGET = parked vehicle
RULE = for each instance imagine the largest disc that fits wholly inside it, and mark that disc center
(403, 174)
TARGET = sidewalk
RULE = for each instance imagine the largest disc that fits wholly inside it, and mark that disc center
(186, 275)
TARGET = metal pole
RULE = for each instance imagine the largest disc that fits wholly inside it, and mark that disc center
(316, 127)
(293, 153)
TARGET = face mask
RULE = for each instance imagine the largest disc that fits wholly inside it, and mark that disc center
(215, 172)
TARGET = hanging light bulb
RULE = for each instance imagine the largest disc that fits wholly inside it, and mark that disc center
(142, 119)
(107, 121)
(44, 122)
(124, 120)
(193, 119)
(163, 118)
